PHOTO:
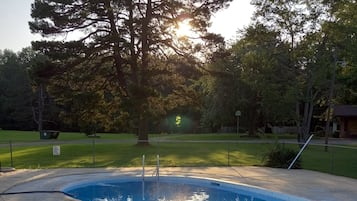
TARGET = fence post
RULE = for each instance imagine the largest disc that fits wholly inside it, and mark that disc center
(228, 156)
(93, 152)
(332, 162)
(11, 159)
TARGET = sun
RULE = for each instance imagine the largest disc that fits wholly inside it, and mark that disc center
(184, 29)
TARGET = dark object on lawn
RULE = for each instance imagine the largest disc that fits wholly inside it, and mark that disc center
(49, 134)
(280, 157)
(93, 136)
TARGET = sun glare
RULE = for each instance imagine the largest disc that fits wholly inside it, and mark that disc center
(184, 29)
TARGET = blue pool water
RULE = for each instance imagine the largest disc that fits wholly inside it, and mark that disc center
(170, 189)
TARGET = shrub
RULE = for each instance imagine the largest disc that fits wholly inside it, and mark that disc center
(281, 157)
(88, 128)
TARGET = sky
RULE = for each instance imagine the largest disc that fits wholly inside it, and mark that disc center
(15, 14)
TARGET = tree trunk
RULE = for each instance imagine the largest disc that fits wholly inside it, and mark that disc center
(304, 132)
(309, 120)
(298, 122)
(253, 116)
(329, 102)
(41, 106)
(143, 135)
(118, 61)
(305, 129)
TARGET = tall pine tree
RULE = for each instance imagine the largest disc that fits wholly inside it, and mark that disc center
(121, 39)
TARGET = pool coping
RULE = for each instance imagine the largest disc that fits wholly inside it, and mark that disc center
(48, 183)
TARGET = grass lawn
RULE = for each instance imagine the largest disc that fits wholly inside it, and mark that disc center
(120, 150)
(339, 161)
(33, 136)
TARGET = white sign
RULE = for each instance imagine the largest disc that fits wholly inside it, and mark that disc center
(56, 150)
(238, 113)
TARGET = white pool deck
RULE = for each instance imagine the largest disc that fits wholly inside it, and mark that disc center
(303, 183)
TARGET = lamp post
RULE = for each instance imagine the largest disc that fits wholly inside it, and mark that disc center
(238, 113)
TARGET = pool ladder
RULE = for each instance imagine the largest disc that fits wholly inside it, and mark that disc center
(156, 171)
(143, 179)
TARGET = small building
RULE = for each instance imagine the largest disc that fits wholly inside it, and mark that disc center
(346, 116)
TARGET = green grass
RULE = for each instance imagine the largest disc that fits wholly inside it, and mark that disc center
(127, 155)
(339, 161)
(33, 136)
(18, 136)
(193, 137)
(120, 150)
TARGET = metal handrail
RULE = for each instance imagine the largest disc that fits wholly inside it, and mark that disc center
(143, 178)
(157, 167)
(300, 152)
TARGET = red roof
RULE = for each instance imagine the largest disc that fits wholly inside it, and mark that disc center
(345, 110)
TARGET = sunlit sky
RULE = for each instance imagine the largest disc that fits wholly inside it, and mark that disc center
(15, 14)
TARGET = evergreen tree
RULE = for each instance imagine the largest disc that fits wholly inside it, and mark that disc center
(120, 41)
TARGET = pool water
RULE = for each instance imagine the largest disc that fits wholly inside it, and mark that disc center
(170, 189)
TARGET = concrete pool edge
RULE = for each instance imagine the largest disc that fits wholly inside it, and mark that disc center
(302, 183)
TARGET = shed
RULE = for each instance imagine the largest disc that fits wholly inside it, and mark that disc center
(347, 119)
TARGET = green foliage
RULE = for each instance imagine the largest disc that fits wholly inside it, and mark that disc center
(15, 93)
(220, 91)
(125, 51)
(281, 157)
(254, 79)
(280, 68)
(296, 21)
(342, 32)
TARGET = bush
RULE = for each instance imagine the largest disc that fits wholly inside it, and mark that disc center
(88, 129)
(281, 157)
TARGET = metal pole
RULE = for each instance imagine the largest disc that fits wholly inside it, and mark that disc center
(228, 159)
(237, 125)
(93, 150)
(143, 177)
(143, 170)
(11, 160)
(301, 150)
(158, 167)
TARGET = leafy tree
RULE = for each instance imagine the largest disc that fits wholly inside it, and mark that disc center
(291, 18)
(261, 57)
(295, 20)
(15, 93)
(40, 68)
(220, 89)
(315, 78)
(123, 39)
(341, 30)
(252, 78)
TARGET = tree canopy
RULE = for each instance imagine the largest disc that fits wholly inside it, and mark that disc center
(15, 92)
(125, 44)
(125, 66)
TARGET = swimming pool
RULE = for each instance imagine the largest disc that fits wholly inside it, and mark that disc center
(169, 188)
